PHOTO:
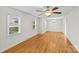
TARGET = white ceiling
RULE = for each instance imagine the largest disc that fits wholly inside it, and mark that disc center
(32, 10)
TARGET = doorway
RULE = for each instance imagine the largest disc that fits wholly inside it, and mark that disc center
(56, 24)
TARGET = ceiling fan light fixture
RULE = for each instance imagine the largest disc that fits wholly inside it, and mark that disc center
(47, 13)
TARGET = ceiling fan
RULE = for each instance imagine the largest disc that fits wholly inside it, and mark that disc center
(49, 10)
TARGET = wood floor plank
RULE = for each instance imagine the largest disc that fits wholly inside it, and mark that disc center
(48, 42)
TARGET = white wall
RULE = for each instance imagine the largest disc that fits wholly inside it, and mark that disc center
(0, 25)
(42, 25)
(72, 22)
(26, 28)
(39, 25)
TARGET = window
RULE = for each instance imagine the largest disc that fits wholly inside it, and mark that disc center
(14, 24)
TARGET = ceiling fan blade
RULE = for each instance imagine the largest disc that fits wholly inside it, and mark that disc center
(54, 8)
(57, 12)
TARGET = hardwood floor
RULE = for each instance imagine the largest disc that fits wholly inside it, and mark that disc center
(48, 42)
